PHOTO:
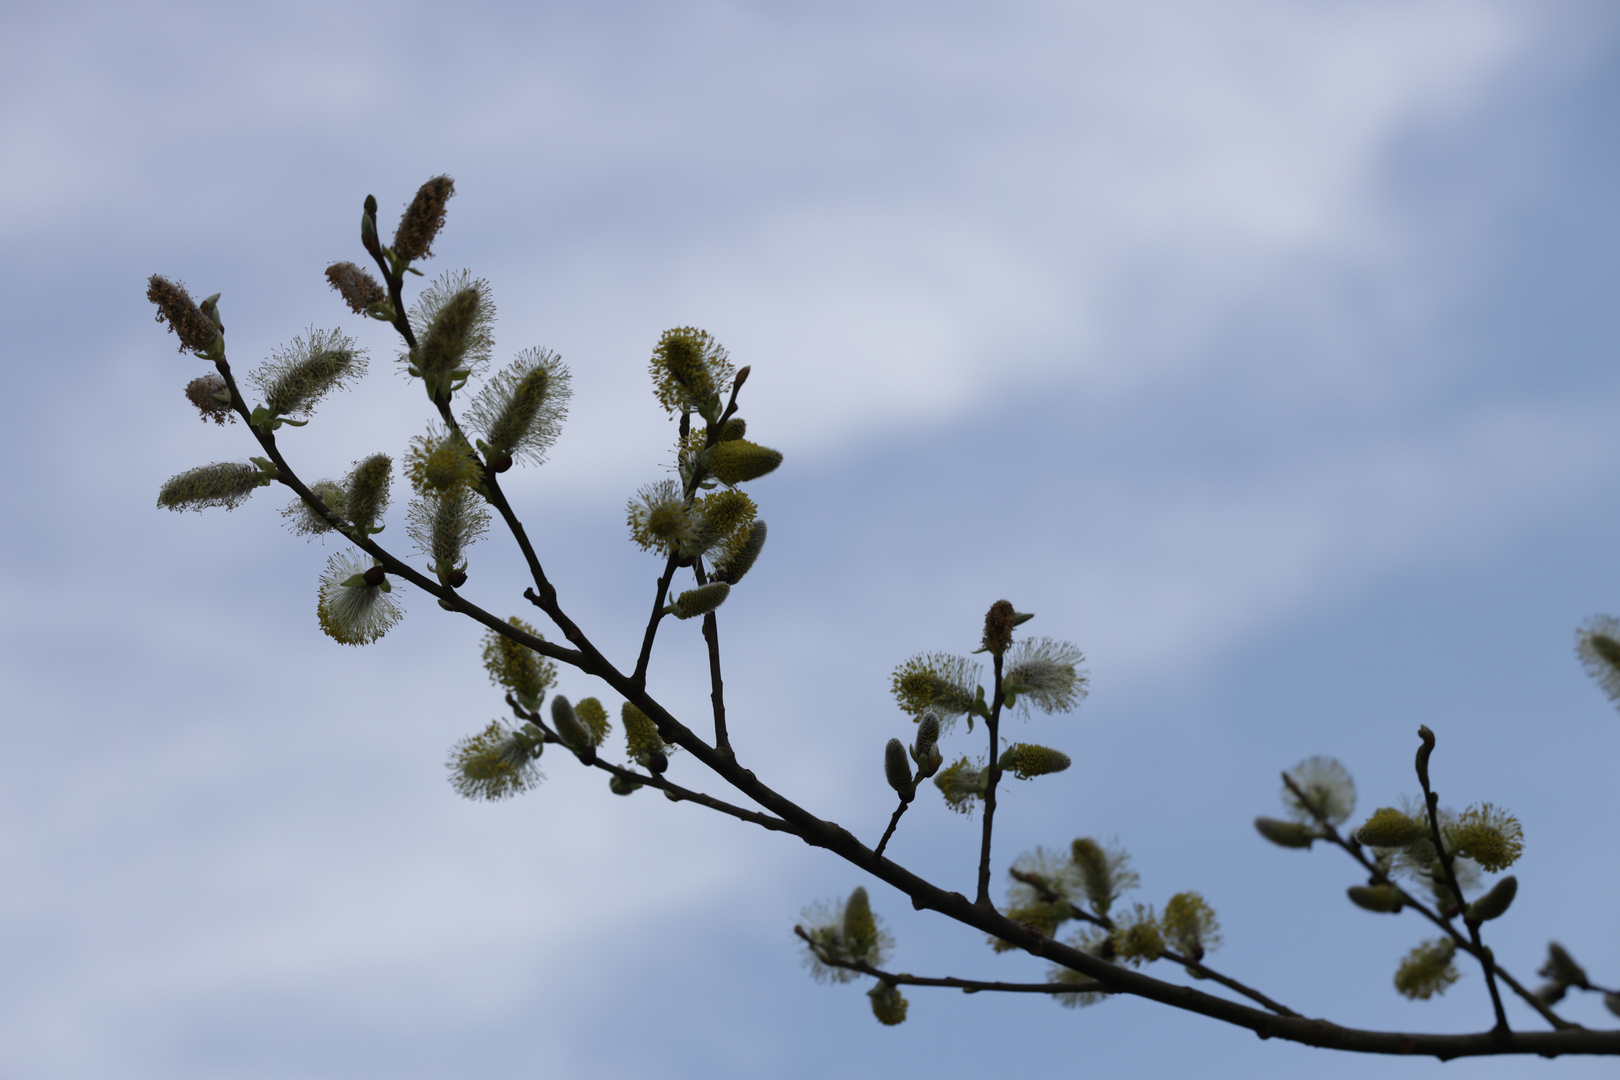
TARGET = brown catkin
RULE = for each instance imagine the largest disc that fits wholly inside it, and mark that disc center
(423, 219)
(195, 330)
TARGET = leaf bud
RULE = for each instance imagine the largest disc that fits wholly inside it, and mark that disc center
(1381, 898)
(368, 228)
(897, 770)
(1389, 828)
(1288, 834)
(1495, 903)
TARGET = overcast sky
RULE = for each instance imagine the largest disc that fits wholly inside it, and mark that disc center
(1263, 348)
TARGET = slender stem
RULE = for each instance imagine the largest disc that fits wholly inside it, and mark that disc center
(674, 791)
(1196, 967)
(993, 726)
(1448, 862)
(1379, 877)
(967, 986)
(717, 685)
(894, 820)
(659, 599)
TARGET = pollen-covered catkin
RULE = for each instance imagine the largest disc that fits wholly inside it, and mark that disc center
(195, 330)
(422, 220)
(224, 483)
(357, 287)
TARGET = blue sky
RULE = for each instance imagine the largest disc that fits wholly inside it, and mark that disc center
(1263, 349)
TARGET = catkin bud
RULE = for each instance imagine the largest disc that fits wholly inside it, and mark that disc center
(1389, 828)
(1289, 834)
(575, 735)
(887, 1004)
(925, 751)
(1427, 969)
(699, 601)
(1562, 968)
(998, 627)
(423, 219)
(860, 926)
(741, 560)
(896, 769)
(732, 429)
(1381, 898)
(620, 786)
(212, 397)
(739, 461)
(1027, 760)
(1496, 902)
(358, 288)
(591, 713)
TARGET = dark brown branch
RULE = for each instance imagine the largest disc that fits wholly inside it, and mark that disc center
(967, 986)
(660, 598)
(717, 686)
(925, 895)
(993, 726)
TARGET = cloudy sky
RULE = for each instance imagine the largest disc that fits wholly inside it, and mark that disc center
(1263, 348)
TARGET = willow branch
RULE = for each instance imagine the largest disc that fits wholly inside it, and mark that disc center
(390, 563)
(993, 726)
(1448, 862)
(717, 686)
(967, 986)
(1378, 876)
(1195, 967)
(675, 792)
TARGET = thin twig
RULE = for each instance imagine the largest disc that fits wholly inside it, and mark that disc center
(893, 821)
(1448, 862)
(992, 723)
(1378, 876)
(1196, 967)
(676, 792)
(717, 685)
(967, 986)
